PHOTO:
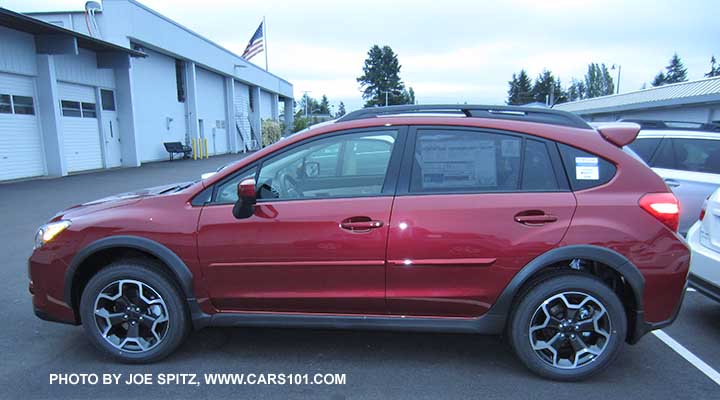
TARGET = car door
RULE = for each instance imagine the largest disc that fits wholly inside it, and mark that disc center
(473, 207)
(317, 239)
(691, 168)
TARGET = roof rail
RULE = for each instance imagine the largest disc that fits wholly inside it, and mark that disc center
(516, 113)
(649, 124)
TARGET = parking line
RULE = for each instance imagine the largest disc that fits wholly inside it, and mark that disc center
(709, 371)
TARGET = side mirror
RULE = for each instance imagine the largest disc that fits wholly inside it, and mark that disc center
(312, 169)
(245, 205)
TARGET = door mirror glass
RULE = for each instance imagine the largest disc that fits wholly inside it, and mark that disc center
(312, 169)
(245, 205)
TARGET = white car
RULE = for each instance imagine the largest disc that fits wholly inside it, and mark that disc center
(704, 240)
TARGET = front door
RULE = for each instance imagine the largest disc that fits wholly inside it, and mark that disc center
(317, 240)
(474, 208)
(110, 129)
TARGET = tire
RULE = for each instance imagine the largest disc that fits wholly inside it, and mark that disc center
(566, 363)
(162, 325)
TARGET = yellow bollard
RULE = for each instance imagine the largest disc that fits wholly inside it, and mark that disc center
(194, 148)
(206, 149)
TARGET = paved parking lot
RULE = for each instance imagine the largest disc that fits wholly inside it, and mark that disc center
(376, 364)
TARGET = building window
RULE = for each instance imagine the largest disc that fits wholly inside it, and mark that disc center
(88, 110)
(70, 108)
(180, 80)
(23, 105)
(5, 105)
(108, 100)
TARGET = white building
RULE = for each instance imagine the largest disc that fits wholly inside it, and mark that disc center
(78, 95)
(692, 101)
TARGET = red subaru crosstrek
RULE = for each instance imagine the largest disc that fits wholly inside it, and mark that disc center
(522, 221)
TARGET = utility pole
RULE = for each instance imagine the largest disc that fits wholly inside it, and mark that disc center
(619, 68)
(386, 96)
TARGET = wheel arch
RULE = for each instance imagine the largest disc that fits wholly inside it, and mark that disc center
(610, 258)
(172, 263)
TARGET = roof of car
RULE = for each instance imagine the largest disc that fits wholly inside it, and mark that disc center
(502, 112)
(646, 133)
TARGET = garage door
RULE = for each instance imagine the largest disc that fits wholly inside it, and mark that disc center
(242, 116)
(21, 154)
(81, 135)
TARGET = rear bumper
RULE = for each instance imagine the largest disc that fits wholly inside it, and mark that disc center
(642, 326)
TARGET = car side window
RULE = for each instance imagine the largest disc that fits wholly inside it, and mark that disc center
(645, 147)
(465, 161)
(227, 191)
(585, 170)
(538, 173)
(697, 155)
(344, 165)
(664, 156)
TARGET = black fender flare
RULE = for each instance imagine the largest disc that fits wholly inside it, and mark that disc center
(609, 257)
(168, 257)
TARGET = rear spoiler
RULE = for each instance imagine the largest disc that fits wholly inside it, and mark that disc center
(618, 133)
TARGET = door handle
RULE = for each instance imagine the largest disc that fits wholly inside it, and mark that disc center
(534, 218)
(360, 224)
(672, 183)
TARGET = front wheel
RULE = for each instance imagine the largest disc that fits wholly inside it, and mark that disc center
(568, 327)
(133, 312)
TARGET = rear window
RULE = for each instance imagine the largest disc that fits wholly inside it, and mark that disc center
(585, 170)
(645, 147)
(697, 155)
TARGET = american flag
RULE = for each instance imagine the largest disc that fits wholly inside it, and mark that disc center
(255, 45)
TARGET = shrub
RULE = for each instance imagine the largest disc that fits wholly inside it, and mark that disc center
(271, 132)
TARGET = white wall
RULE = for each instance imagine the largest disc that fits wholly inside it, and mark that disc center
(266, 105)
(17, 52)
(82, 69)
(211, 108)
(155, 100)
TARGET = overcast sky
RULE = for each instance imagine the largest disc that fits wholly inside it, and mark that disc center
(450, 51)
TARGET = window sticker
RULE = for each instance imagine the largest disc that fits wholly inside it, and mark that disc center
(587, 169)
(510, 148)
(457, 163)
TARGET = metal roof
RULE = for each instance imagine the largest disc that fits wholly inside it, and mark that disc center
(24, 23)
(691, 92)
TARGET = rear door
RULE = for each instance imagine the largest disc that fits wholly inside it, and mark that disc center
(691, 168)
(473, 207)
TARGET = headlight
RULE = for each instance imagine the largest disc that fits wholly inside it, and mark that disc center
(47, 232)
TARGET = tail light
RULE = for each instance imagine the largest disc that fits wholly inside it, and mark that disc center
(702, 212)
(664, 207)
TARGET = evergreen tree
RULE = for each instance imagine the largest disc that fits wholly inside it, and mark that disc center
(714, 68)
(576, 91)
(598, 81)
(381, 78)
(675, 72)
(544, 88)
(411, 96)
(324, 107)
(520, 91)
(307, 104)
(341, 110)
(659, 79)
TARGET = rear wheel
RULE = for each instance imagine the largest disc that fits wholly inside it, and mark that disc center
(133, 312)
(568, 327)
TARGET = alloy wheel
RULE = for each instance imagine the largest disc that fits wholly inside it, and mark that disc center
(131, 315)
(570, 330)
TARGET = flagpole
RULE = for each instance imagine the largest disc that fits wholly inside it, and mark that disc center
(265, 31)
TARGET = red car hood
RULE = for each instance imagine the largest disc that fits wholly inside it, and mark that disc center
(117, 200)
